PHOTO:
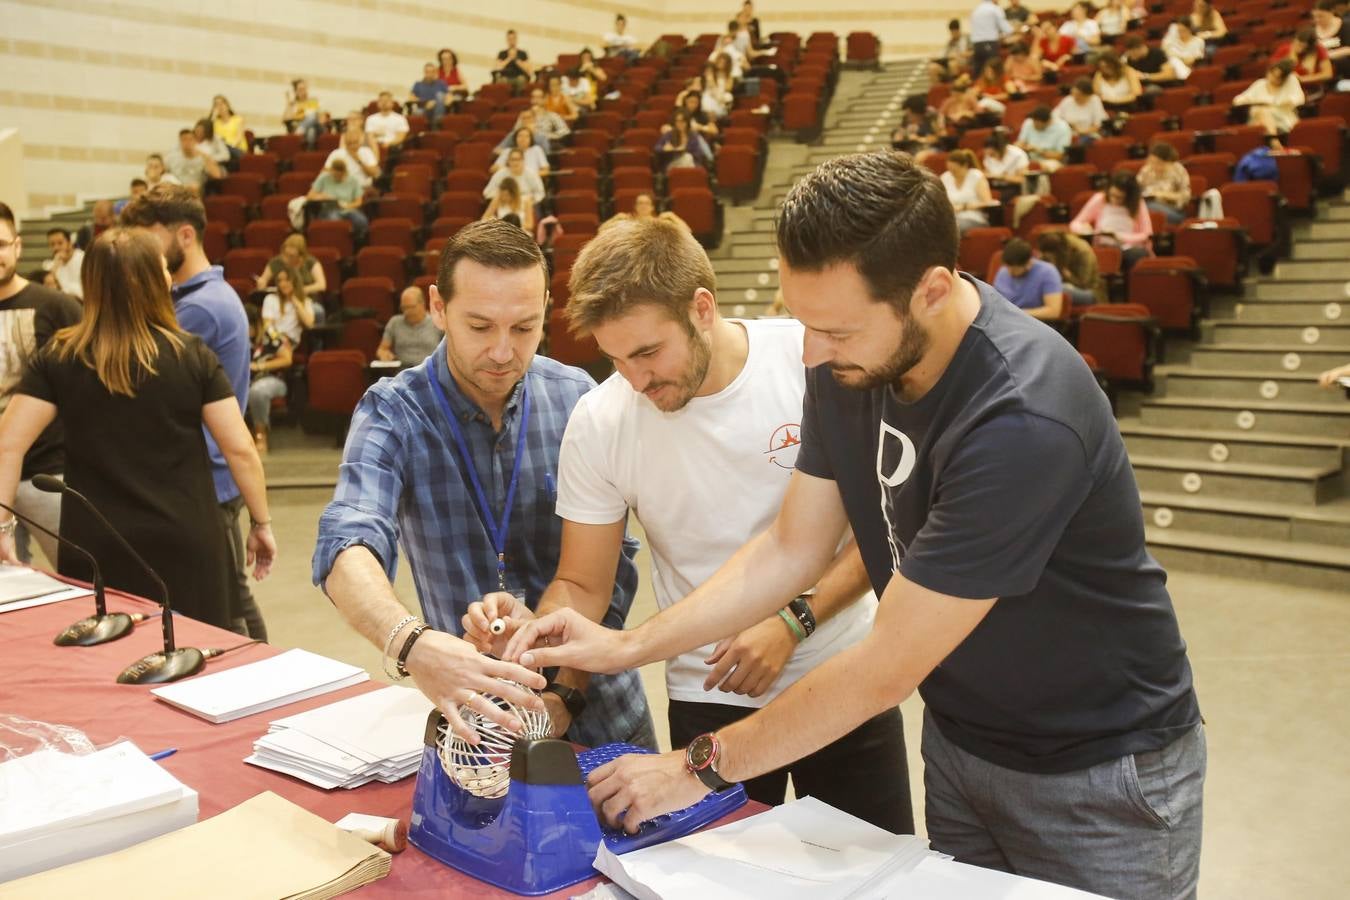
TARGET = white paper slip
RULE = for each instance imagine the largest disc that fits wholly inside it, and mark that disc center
(255, 687)
(22, 588)
(376, 726)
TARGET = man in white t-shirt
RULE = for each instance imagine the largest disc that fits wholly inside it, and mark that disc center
(389, 127)
(66, 263)
(697, 435)
(358, 151)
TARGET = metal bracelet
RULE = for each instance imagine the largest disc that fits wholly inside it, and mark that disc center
(8, 527)
(388, 645)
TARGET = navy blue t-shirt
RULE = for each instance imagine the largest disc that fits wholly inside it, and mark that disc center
(1009, 480)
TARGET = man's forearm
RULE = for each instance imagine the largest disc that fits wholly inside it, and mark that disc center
(562, 594)
(360, 590)
(842, 584)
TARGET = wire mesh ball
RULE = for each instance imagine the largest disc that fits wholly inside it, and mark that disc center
(484, 769)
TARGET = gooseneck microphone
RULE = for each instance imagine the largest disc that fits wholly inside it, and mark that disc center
(100, 627)
(171, 663)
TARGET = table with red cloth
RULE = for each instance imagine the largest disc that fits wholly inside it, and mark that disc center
(77, 686)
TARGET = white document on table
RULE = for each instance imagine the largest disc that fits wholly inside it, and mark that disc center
(23, 588)
(255, 687)
(387, 724)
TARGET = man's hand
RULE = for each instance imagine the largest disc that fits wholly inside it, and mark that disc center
(750, 662)
(634, 788)
(261, 551)
(477, 621)
(558, 716)
(453, 675)
(567, 638)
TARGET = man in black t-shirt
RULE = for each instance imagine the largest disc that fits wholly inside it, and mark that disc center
(1150, 62)
(988, 489)
(29, 315)
(513, 63)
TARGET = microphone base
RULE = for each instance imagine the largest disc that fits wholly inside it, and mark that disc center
(159, 668)
(95, 630)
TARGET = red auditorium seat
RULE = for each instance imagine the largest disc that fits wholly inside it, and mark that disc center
(373, 294)
(1205, 118)
(382, 262)
(632, 177)
(1218, 247)
(977, 245)
(580, 158)
(216, 241)
(579, 223)
(460, 203)
(737, 169)
(1298, 168)
(1122, 338)
(576, 202)
(275, 207)
(243, 184)
(1106, 152)
(1239, 140)
(331, 262)
(863, 47)
(267, 234)
(462, 125)
(245, 262)
(413, 180)
(335, 233)
(1141, 127)
(620, 157)
(698, 208)
(1068, 181)
(559, 289)
(337, 381)
(1257, 205)
(1182, 141)
(285, 146)
(625, 199)
(474, 155)
(1215, 168)
(1174, 101)
(470, 182)
(1326, 136)
(310, 161)
(801, 112)
(264, 164)
(1169, 286)
(446, 227)
(592, 138)
(392, 232)
(431, 256)
(401, 206)
(363, 336)
(579, 180)
(293, 184)
(565, 348)
(442, 143)
(686, 177)
(565, 249)
(229, 210)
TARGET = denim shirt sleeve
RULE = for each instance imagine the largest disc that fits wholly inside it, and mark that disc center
(370, 483)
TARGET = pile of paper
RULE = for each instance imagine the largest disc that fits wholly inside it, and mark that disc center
(262, 849)
(22, 587)
(57, 808)
(349, 743)
(256, 687)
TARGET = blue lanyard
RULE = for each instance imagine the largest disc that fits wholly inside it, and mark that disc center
(496, 533)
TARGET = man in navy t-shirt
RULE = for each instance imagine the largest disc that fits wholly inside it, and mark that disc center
(1033, 284)
(988, 489)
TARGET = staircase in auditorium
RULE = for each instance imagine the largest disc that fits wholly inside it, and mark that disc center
(1241, 458)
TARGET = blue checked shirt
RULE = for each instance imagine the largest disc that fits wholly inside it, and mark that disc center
(402, 481)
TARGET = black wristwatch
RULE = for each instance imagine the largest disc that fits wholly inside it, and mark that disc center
(701, 758)
(573, 699)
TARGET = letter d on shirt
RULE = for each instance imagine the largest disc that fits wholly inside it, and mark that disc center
(899, 472)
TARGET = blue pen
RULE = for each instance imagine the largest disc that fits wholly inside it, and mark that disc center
(164, 754)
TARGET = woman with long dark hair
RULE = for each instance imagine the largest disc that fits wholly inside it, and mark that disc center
(133, 391)
(1118, 217)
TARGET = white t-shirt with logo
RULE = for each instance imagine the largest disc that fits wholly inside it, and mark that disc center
(702, 481)
(387, 127)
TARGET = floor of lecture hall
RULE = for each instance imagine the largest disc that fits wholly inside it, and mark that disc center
(1272, 667)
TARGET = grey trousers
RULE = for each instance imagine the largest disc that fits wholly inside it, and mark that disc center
(248, 619)
(1126, 828)
(43, 508)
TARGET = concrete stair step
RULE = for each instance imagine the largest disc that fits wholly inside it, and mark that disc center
(1301, 485)
(756, 245)
(1231, 446)
(755, 310)
(1325, 290)
(1322, 249)
(740, 265)
(1309, 270)
(1300, 312)
(1263, 417)
(1325, 231)
(1238, 385)
(1327, 524)
(1285, 563)
(1336, 212)
(1334, 333)
(1261, 358)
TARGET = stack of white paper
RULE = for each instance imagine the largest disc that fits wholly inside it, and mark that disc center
(22, 587)
(376, 736)
(57, 808)
(263, 685)
(807, 849)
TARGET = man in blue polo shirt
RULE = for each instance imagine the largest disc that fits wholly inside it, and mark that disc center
(1033, 284)
(209, 308)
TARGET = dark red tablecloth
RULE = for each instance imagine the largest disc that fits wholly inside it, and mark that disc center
(77, 686)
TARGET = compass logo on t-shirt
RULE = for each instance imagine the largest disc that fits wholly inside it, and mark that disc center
(783, 444)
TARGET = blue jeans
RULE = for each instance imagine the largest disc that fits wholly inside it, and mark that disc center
(1173, 215)
(1079, 296)
(309, 127)
(360, 224)
(261, 393)
(1127, 828)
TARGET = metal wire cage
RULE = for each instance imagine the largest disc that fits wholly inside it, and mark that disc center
(484, 769)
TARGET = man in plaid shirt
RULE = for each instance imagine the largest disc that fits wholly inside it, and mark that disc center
(476, 528)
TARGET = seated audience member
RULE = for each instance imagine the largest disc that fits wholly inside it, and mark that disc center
(968, 190)
(229, 126)
(448, 70)
(387, 125)
(302, 112)
(272, 356)
(191, 163)
(1045, 138)
(137, 187)
(1077, 265)
(746, 17)
(558, 102)
(580, 90)
(1003, 160)
(1182, 43)
(588, 67)
(725, 54)
(1206, 21)
(1023, 68)
(1165, 183)
(528, 118)
(1118, 217)
(550, 126)
(919, 128)
(358, 152)
(723, 81)
(681, 146)
(1333, 33)
(101, 217)
(204, 133)
(336, 194)
(1116, 83)
(1082, 28)
(1031, 284)
(1274, 100)
(1151, 63)
(63, 269)
(513, 63)
(429, 95)
(1312, 62)
(1082, 111)
(287, 309)
(691, 103)
(1113, 19)
(1018, 16)
(1055, 48)
(955, 58)
(535, 159)
(644, 206)
(411, 336)
(507, 203)
(156, 174)
(295, 255)
(530, 184)
(619, 42)
(962, 106)
(992, 84)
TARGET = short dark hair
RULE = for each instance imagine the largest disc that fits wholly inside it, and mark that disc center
(1134, 41)
(1164, 151)
(1016, 252)
(7, 215)
(56, 229)
(880, 212)
(183, 131)
(954, 25)
(494, 243)
(916, 103)
(1083, 86)
(169, 205)
(620, 17)
(1041, 113)
(139, 182)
